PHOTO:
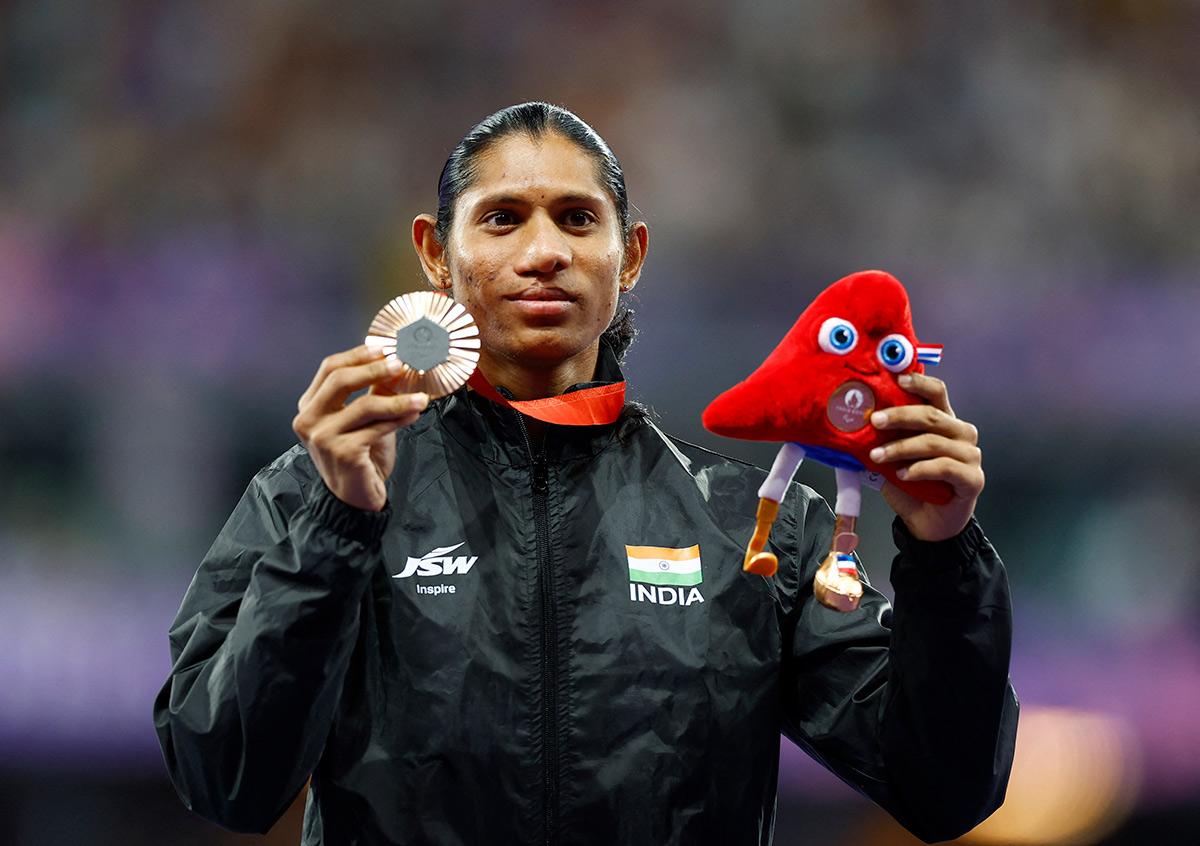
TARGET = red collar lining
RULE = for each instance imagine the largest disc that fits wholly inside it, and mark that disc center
(585, 407)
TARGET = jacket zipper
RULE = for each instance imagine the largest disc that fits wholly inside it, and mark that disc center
(541, 522)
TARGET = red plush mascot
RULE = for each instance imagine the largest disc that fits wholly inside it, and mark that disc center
(816, 392)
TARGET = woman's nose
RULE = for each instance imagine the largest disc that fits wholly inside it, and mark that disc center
(545, 249)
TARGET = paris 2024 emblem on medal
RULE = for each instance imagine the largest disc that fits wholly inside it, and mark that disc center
(434, 338)
(850, 406)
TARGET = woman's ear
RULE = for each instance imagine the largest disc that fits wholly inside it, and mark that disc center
(430, 251)
(636, 244)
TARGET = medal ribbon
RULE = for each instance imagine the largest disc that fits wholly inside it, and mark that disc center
(585, 407)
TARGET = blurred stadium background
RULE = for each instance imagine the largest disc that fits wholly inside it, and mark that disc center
(200, 200)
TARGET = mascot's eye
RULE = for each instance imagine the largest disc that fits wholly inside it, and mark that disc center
(895, 352)
(837, 335)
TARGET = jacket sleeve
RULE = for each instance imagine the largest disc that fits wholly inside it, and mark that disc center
(911, 706)
(260, 646)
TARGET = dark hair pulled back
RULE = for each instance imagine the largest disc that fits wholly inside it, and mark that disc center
(536, 120)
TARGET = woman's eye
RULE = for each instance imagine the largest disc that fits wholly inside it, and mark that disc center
(895, 352)
(579, 218)
(500, 218)
(837, 335)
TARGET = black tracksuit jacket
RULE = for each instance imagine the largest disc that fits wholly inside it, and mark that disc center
(515, 689)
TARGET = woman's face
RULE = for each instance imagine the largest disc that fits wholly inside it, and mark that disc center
(535, 251)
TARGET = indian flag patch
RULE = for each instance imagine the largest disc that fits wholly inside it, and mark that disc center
(661, 565)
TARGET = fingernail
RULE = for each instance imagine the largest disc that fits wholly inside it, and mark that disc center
(394, 364)
(877, 454)
(420, 401)
(902, 473)
(905, 380)
(879, 418)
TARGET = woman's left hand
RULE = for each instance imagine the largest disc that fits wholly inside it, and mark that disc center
(942, 449)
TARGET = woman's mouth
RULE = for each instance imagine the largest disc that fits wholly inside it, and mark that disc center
(542, 301)
(542, 293)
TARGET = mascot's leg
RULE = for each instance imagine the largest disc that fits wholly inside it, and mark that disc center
(836, 584)
(787, 462)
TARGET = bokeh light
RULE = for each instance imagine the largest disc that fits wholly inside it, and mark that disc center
(1075, 778)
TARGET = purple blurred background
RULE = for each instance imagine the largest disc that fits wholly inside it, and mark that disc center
(199, 201)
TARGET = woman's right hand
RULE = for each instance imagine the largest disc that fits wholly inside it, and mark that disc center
(353, 444)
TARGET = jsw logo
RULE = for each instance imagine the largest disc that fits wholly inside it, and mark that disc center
(438, 563)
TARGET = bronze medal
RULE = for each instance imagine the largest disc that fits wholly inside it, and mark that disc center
(435, 339)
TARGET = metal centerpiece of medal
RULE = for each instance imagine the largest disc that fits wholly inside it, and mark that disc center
(433, 337)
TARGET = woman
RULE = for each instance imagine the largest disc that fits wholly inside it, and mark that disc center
(434, 608)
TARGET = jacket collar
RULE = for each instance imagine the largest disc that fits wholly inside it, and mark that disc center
(498, 434)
